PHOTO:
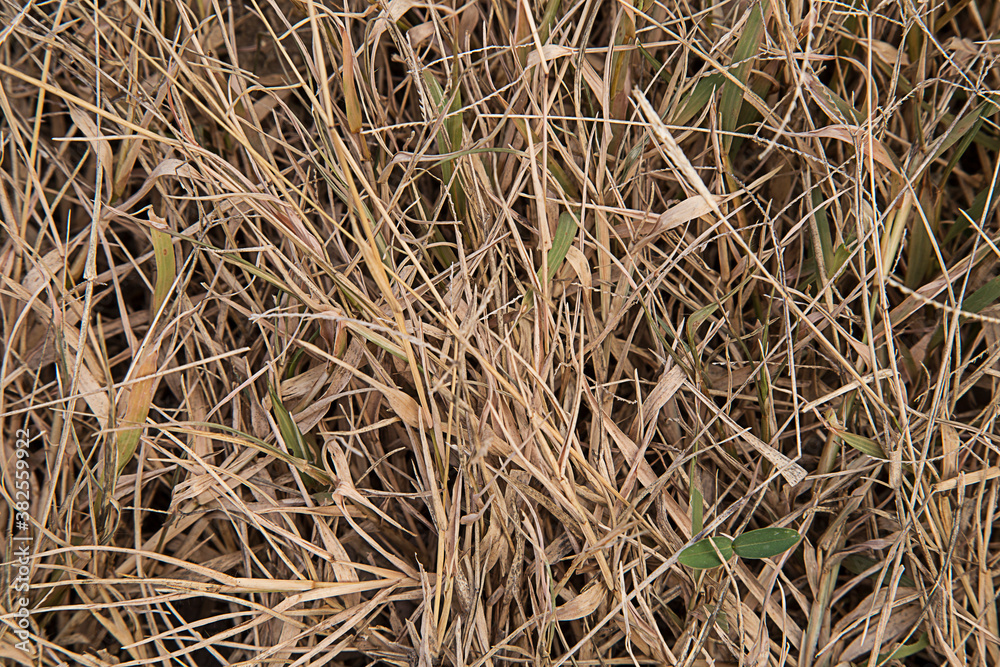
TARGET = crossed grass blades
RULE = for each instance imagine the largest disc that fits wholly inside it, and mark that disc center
(411, 333)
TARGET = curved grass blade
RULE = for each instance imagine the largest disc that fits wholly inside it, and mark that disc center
(906, 650)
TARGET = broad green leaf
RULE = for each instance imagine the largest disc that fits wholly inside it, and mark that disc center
(301, 448)
(249, 267)
(454, 122)
(562, 179)
(764, 396)
(242, 439)
(834, 102)
(434, 88)
(449, 139)
(722, 621)
(548, 19)
(443, 139)
(765, 542)
(702, 556)
(862, 444)
(697, 317)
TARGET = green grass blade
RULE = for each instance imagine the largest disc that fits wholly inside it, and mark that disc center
(289, 430)
(862, 444)
(561, 242)
(823, 227)
(744, 57)
(699, 96)
(906, 650)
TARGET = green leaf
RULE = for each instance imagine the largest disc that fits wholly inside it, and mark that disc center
(290, 432)
(454, 122)
(243, 439)
(702, 556)
(906, 650)
(862, 444)
(967, 126)
(721, 620)
(653, 62)
(975, 302)
(840, 257)
(166, 267)
(437, 95)
(743, 57)
(920, 260)
(565, 233)
(696, 100)
(434, 88)
(765, 542)
(548, 19)
(700, 315)
(982, 297)
(697, 317)
(823, 226)
(836, 103)
(301, 449)
(975, 212)
(697, 511)
(963, 145)
(631, 159)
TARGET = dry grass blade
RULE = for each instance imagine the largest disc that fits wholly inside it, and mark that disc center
(540, 333)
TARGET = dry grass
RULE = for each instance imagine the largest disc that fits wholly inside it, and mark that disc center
(431, 334)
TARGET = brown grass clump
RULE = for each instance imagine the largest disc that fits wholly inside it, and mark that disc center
(433, 334)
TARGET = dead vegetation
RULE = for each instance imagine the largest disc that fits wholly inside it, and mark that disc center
(432, 334)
